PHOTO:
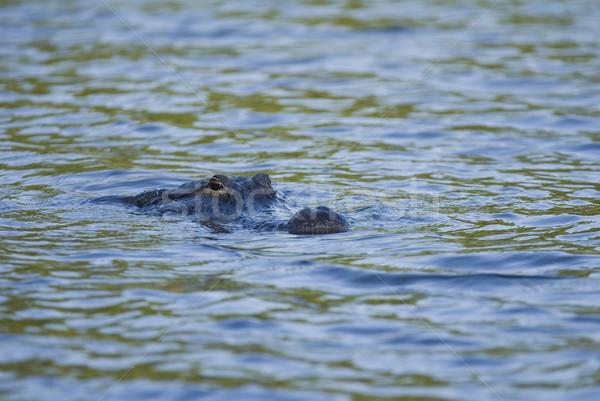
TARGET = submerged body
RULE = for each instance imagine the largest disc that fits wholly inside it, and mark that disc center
(245, 199)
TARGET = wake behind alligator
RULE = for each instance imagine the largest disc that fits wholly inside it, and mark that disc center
(247, 200)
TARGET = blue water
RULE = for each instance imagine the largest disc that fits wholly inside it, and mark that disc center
(461, 140)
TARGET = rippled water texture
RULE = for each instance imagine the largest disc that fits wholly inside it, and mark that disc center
(460, 138)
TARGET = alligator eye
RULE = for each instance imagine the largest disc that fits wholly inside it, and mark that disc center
(215, 184)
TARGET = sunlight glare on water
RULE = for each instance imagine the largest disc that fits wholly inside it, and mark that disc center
(460, 139)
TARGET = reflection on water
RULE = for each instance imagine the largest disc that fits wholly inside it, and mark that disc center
(460, 138)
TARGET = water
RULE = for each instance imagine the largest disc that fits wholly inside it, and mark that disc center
(460, 138)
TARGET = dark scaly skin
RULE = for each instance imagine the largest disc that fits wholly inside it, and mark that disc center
(221, 198)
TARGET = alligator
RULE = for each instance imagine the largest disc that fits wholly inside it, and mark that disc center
(247, 200)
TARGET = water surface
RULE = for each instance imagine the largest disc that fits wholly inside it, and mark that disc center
(460, 138)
